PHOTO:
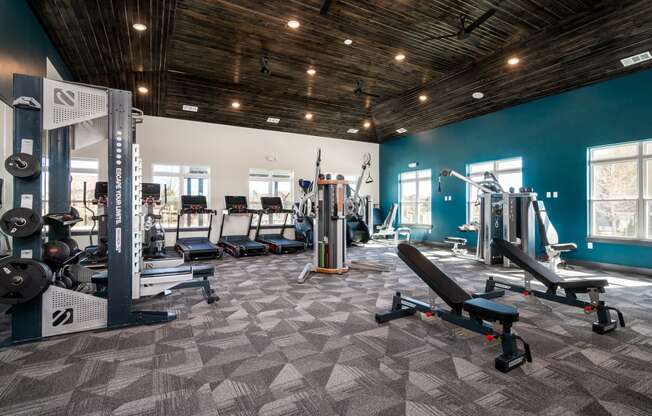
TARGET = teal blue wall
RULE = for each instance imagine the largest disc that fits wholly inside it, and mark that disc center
(24, 46)
(552, 135)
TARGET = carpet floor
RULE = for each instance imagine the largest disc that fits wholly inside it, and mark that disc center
(273, 347)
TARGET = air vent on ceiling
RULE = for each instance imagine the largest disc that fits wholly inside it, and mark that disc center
(636, 59)
(401, 130)
(192, 108)
(273, 120)
(352, 131)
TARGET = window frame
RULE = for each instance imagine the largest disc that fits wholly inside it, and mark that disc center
(472, 191)
(642, 217)
(416, 180)
(184, 175)
(272, 177)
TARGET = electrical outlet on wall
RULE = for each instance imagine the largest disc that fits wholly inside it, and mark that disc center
(555, 194)
(589, 245)
(548, 194)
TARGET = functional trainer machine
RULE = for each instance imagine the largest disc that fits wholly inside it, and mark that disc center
(239, 245)
(196, 248)
(479, 309)
(508, 215)
(39, 308)
(277, 243)
(553, 282)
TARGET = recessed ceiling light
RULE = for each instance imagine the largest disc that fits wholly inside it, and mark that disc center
(143, 90)
(273, 120)
(352, 131)
(139, 27)
(367, 124)
(235, 104)
(311, 71)
(191, 108)
(294, 24)
(400, 57)
(423, 98)
(308, 116)
(401, 130)
(514, 60)
(478, 95)
(348, 42)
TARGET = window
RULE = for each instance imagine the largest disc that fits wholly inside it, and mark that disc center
(415, 190)
(271, 183)
(81, 170)
(620, 191)
(182, 180)
(509, 173)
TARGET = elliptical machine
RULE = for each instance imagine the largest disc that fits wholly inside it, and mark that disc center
(303, 212)
(154, 241)
(96, 255)
(359, 209)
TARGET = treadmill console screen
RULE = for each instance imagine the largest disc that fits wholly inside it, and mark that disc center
(193, 202)
(151, 190)
(272, 203)
(236, 204)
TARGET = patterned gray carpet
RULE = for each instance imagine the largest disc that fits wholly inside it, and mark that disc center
(273, 347)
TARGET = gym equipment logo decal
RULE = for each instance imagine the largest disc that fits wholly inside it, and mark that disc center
(62, 317)
(64, 97)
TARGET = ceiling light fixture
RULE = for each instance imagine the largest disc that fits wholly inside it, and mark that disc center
(401, 130)
(423, 98)
(367, 124)
(294, 24)
(478, 95)
(235, 105)
(308, 116)
(311, 71)
(273, 120)
(139, 27)
(191, 108)
(352, 131)
(143, 90)
(400, 57)
(514, 60)
(636, 59)
(348, 42)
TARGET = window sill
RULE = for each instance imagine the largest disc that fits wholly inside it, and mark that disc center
(616, 240)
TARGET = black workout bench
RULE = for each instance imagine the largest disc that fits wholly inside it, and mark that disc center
(554, 282)
(479, 309)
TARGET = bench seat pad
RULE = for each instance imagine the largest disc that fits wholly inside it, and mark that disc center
(490, 310)
(583, 285)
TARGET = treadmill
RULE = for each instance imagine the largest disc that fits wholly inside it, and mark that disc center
(239, 245)
(155, 254)
(196, 248)
(277, 243)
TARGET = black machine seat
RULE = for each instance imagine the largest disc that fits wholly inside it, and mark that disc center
(564, 247)
(445, 287)
(490, 310)
(543, 274)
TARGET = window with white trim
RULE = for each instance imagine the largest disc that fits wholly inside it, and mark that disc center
(415, 192)
(182, 180)
(509, 173)
(620, 191)
(263, 182)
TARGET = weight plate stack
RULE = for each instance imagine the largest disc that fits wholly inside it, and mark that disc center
(55, 253)
(21, 222)
(23, 165)
(21, 280)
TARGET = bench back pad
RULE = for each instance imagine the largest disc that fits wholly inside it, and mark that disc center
(527, 263)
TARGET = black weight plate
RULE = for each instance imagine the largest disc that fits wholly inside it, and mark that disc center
(22, 280)
(74, 247)
(23, 165)
(21, 222)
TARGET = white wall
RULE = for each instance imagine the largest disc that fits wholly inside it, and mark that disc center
(231, 151)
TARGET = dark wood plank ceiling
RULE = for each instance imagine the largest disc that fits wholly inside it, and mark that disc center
(208, 53)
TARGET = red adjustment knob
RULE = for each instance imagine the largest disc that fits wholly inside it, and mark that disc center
(588, 309)
(428, 314)
(526, 293)
(490, 337)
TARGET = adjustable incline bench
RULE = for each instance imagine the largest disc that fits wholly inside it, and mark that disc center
(553, 282)
(479, 309)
